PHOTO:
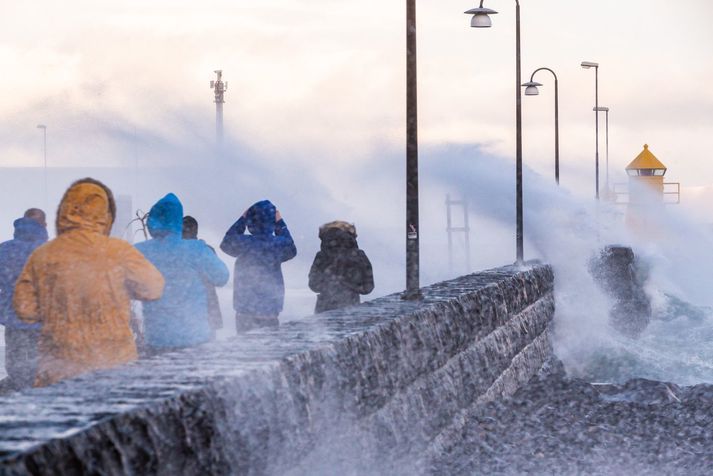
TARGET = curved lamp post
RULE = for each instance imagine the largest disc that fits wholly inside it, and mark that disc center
(587, 65)
(481, 19)
(606, 141)
(531, 90)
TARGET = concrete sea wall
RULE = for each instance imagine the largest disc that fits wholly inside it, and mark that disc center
(362, 390)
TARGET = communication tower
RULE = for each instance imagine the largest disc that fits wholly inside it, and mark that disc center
(219, 87)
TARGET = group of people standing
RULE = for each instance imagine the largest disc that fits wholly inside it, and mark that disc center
(66, 303)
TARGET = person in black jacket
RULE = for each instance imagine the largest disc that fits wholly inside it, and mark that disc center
(215, 317)
(340, 271)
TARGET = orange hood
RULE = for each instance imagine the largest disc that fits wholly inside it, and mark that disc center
(85, 206)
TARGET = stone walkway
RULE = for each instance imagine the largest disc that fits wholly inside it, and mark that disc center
(563, 426)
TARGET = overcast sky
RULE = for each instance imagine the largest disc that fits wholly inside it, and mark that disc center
(318, 86)
(325, 78)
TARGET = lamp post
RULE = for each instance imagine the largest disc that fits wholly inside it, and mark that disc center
(606, 140)
(412, 226)
(587, 65)
(44, 152)
(531, 90)
(481, 19)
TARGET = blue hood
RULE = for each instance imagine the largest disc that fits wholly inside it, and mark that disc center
(261, 218)
(166, 217)
(27, 229)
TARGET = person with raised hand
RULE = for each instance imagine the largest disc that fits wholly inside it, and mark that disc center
(259, 292)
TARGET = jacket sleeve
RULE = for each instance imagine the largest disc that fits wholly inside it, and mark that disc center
(234, 238)
(316, 274)
(284, 242)
(214, 270)
(143, 281)
(356, 273)
(367, 274)
(26, 299)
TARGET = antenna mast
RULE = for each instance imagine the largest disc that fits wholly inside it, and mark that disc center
(219, 87)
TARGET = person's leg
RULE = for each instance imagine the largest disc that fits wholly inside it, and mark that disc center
(265, 321)
(245, 323)
(21, 356)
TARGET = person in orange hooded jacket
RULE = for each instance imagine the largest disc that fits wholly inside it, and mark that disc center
(79, 286)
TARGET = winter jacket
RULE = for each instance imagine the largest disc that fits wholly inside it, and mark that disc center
(259, 285)
(79, 286)
(340, 271)
(215, 316)
(180, 317)
(13, 255)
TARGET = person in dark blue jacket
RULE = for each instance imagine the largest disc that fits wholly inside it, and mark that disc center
(259, 293)
(180, 318)
(20, 338)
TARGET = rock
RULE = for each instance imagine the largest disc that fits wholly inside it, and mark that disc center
(615, 270)
(558, 425)
(641, 390)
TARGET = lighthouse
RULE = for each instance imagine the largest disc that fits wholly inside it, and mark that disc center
(646, 192)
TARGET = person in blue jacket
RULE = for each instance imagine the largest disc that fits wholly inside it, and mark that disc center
(179, 319)
(259, 292)
(20, 338)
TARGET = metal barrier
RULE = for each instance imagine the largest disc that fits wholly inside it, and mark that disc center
(671, 189)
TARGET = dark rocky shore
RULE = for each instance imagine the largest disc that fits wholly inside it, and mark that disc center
(558, 425)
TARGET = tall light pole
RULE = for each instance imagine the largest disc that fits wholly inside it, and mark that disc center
(531, 90)
(606, 136)
(587, 65)
(412, 225)
(219, 87)
(481, 19)
(44, 152)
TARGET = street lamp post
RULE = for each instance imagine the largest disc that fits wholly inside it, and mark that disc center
(531, 90)
(44, 152)
(605, 110)
(412, 225)
(587, 65)
(481, 19)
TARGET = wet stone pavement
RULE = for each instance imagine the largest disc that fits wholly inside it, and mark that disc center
(357, 391)
(557, 425)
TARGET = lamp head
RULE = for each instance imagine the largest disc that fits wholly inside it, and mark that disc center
(600, 109)
(531, 88)
(481, 17)
(589, 64)
(41, 126)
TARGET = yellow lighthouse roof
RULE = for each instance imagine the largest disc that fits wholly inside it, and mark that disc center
(645, 160)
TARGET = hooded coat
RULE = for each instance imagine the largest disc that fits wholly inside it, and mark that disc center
(179, 318)
(28, 236)
(79, 286)
(259, 285)
(340, 271)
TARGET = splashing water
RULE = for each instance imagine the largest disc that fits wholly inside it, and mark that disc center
(566, 230)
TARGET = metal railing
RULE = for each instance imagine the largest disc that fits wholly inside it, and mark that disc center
(671, 189)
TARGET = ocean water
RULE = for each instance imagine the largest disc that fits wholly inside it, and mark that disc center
(676, 347)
